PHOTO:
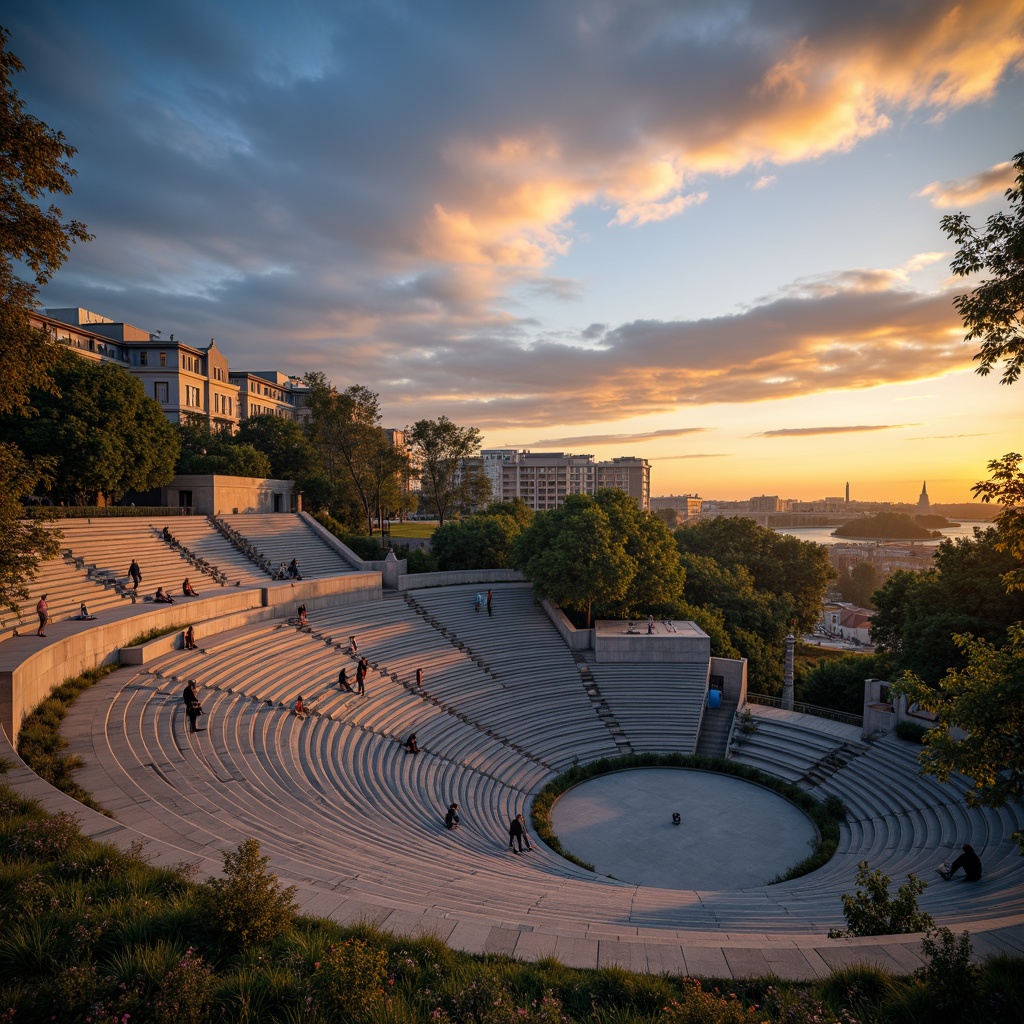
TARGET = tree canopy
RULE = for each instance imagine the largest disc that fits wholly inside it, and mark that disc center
(447, 479)
(102, 436)
(992, 312)
(205, 450)
(1006, 486)
(886, 524)
(283, 442)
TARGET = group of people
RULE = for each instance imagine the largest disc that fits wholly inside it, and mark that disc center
(288, 572)
(480, 600)
(517, 833)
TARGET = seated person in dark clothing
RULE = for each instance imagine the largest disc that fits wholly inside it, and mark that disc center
(187, 589)
(969, 861)
(411, 745)
(451, 819)
(167, 535)
(83, 614)
(161, 597)
(189, 641)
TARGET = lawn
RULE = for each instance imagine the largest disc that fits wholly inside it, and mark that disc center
(409, 530)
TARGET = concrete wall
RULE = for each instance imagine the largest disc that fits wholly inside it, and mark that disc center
(734, 678)
(420, 580)
(614, 644)
(882, 712)
(221, 495)
(575, 639)
(343, 549)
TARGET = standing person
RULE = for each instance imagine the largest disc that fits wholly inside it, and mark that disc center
(419, 677)
(361, 677)
(650, 624)
(43, 611)
(478, 600)
(190, 639)
(490, 599)
(451, 819)
(193, 708)
(135, 573)
(517, 831)
(343, 680)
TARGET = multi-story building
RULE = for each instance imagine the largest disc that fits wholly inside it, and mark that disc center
(544, 479)
(269, 393)
(688, 506)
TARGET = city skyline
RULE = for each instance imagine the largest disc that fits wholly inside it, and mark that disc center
(702, 234)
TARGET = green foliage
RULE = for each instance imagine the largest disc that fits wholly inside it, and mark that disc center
(872, 911)
(284, 443)
(155, 633)
(986, 699)
(1006, 486)
(482, 541)
(918, 614)
(365, 547)
(911, 732)
(858, 585)
(23, 543)
(447, 479)
(247, 906)
(889, 525)
(700, 1006)
(839, 683)
(102, 435)
(349, 980)
(204, 450)
(951, 975)
(991, 311)
(419, 560)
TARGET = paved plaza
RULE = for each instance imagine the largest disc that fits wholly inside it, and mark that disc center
(732, 834)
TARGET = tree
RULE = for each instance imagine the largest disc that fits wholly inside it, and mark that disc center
(476, 542)
(839, 683)
(442, 449)
(22, 542)
(571, 555)
(857, 585)
(284, 443)
(34, 164)
(102, 436)
(992, 312)
(985, 699)
(1006, 486)
(207, 451)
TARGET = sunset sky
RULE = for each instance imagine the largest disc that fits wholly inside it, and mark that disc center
(705, 233)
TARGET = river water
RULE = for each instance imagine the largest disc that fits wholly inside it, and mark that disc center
(823, 534)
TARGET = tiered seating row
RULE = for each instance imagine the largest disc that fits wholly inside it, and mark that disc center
(282, 537)
(659, 707)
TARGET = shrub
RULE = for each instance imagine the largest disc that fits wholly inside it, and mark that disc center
(872, 911)
(703, 1007)
(951, 975)
(248, 905)
(911, 732)
(184, 996)
(47, 839)
(349, 981)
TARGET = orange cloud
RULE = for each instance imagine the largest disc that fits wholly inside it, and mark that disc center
(974, 188)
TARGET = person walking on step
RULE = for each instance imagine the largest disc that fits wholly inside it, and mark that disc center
(193, 707)
(135, 573)
(490, 601)
(361, 670)
(451, 819)
(969, 861)
(43, 611)
(517, 832)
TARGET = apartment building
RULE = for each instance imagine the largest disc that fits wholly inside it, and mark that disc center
(544, 479)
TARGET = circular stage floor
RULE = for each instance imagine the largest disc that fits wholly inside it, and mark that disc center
(733, 834)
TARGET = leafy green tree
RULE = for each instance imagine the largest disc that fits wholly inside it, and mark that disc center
(34, 165)
(22, 542)
(205, 451)
(790, 569)
(102, 436)
(447, 479)
(476, 542)
(992, 311)
(985, 700)
(1006, 486)
(572, 555)
(858, 585)
(839, 683)
(284, 443)
(918, 614)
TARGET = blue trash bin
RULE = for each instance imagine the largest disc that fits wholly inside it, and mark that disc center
(714, 698)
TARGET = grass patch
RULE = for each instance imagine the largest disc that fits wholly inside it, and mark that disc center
(412, 530)
(156, 633)
(826, 815)
(41, 745)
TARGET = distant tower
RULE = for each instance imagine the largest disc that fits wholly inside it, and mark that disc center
(923, 504)
(847, 492)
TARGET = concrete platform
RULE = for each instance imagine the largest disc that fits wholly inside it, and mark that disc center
(733, 835)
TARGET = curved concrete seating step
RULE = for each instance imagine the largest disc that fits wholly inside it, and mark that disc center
(353, 819)
(280, 537)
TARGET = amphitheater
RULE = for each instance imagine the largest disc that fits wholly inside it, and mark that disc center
(354, 822)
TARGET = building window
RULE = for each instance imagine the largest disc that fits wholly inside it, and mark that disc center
(191, 396)
(163, 358)
(160, 391)
(143, 358)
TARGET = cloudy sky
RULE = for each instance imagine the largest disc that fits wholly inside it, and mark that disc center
(706, 233)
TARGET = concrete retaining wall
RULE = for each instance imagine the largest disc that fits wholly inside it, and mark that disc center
(421, 580)
(575, 639)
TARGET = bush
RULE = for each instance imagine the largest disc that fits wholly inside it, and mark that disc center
(911, 732)
(872, 911)
(703, 1007)
(247, 906)
(349, 981)
(951, 975)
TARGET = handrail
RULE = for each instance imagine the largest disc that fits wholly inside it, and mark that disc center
(807, 709)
